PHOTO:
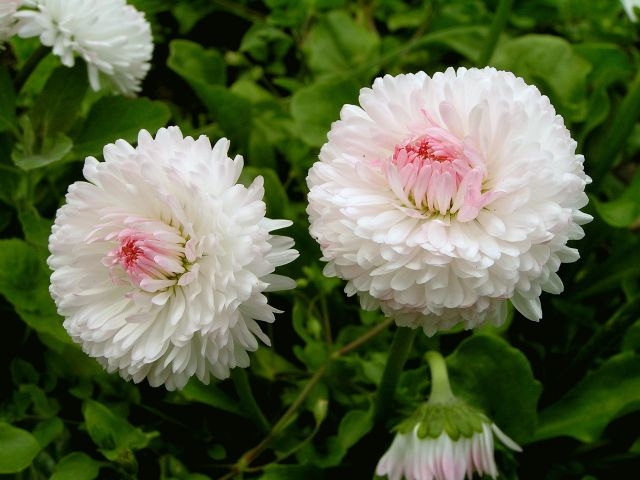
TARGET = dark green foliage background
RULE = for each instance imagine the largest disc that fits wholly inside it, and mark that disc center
(271, 76)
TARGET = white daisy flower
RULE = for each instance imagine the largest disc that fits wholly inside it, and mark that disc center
(440, 198)
(112, 37)
(7, 18)
(630, 7)
(415, 457)
(161, 260)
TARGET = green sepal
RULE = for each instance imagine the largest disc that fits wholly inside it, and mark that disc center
(456, 418)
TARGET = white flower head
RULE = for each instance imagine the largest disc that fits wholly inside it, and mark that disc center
(161, 260)
(439, 198)
(112, 37)
(629, 7)
(414, 455)
(7, 18)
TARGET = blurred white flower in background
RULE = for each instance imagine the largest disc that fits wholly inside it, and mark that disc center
(161, 260)
(7, 19)
(110, 36)
(438, 199)
(629, 7)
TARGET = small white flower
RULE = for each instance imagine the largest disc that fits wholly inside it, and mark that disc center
(442, 458)
(112, 37)
(441, 197)
(7, 18)
(160, 260)
(629, 7)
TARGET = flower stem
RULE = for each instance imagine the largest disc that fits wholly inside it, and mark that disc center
(247, 400)
(497, 26)
(440, 387)
(29, 66)
(400, 348)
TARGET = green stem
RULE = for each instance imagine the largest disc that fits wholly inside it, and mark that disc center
(400, 348)
(611, 331)
(247, 400)
(281, 424)
(440, 387)
(497, 26)
(29, 66)
(609, 145)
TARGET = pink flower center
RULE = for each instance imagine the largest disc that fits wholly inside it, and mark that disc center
(439, 174)
(152, 260)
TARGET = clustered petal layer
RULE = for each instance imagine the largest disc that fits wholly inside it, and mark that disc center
(112, 37)
(160, 260)
(7, 18)
(440, 197)
(442, 458)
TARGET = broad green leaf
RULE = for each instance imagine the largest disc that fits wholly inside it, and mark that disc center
(18, 448)
(337, 44)
(8, 118)
(59, 103)
(353, 426)
(53, 149)
(197, 65)
(113, 117)
(110, 431)
(316, 107)
(494, 376)
(266, 363)
(212, 395)
(204, 70)
(76, 466)
(24, 281)
(624, 210)
(602, 396)
(551, 64)
(36, 229)
(48, 430)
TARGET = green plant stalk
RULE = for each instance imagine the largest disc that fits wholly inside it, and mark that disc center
(610, 144)
(29, 66)
(400, 348)
(440, 387)
(247, 400)
(497, 26)
(242, 465)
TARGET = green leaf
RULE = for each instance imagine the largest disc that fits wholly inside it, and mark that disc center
(315, 107)
(48, 430)
(266, 363)
(114, 117)
(58, 105)
(212, 395)
(197, 65)
(76, 466)
(24, 281)
(18, 448)
(353, 426)
(624, 210)
(53, 149)
(110, 431)
(495, 377)
(337, 44)
(36, 228)
(552, 64)
(8, 118)
(602, 396)
(204, 71)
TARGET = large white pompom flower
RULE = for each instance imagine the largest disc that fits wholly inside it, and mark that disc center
(112, 37)
(439, 198)
(7, 18)
(160, 260)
